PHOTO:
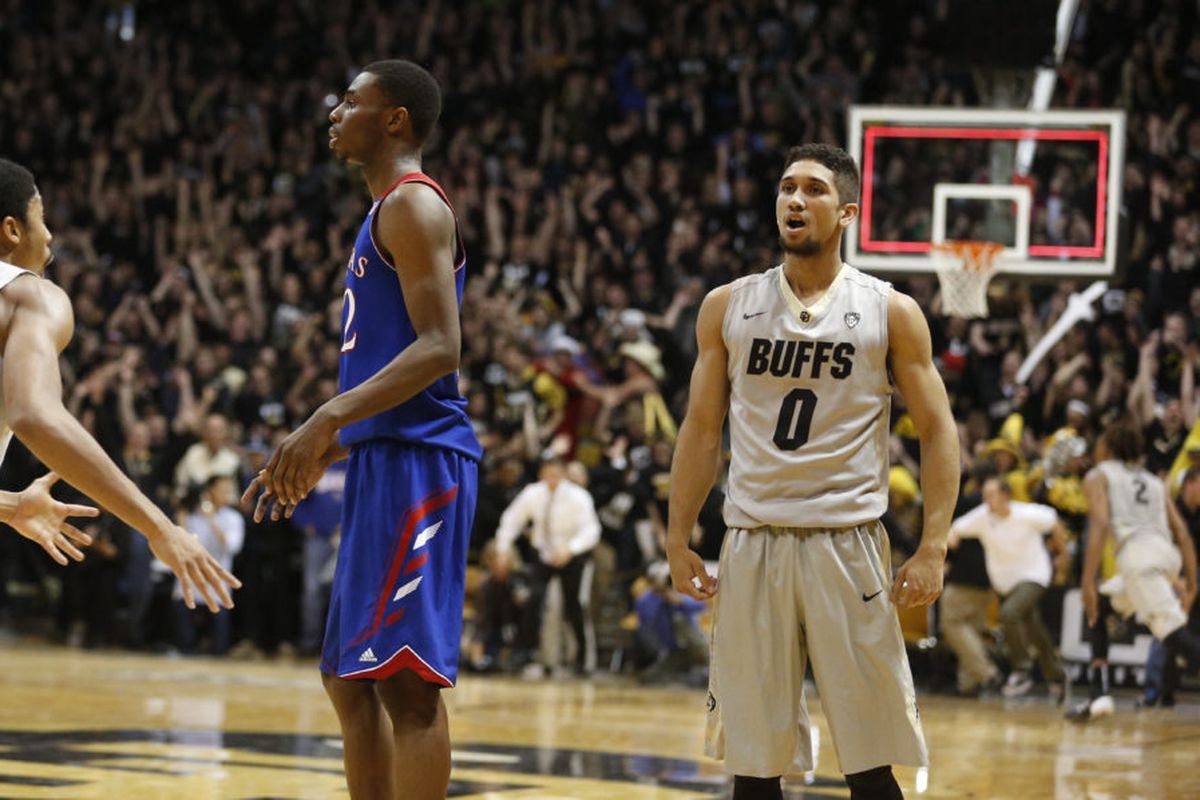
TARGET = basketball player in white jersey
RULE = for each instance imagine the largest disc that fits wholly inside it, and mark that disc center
(36, 323)
(802, 358)
(1151, 544)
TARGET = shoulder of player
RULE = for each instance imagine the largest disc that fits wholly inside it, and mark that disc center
(715, 304)
(32, 293)
(416, 203)
(902, 308)
(907, 329)
(1096, 478)
(747, 282)
(853, 275)
(45, 301)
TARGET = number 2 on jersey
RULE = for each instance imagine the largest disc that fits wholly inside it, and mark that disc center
(795, 419)
(348, 340)
(1140, 498)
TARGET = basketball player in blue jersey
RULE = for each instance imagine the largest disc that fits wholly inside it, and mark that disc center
(395, 617)
(36, 323)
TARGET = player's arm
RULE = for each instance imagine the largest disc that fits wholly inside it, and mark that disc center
(1095, 489)
(910, 353)
(1187, 550)
(698, 447)
(417, 227)
(41, 326)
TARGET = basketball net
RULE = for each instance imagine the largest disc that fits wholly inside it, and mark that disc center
(964, 268)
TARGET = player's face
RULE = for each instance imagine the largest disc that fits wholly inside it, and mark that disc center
(359, 124)
(809, 214)
(32, 238)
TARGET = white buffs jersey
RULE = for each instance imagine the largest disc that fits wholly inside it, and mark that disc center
(8, 273)
(810, 398)
(1137, 502)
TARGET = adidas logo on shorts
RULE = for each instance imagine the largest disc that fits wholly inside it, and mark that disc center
(368, 656)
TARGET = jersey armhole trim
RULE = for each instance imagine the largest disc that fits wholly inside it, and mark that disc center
(424, 180)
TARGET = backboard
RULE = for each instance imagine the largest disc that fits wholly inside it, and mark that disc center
(1045, 184)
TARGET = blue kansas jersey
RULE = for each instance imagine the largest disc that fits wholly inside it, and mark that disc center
(376, 327)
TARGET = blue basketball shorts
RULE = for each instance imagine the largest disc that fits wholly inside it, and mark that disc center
(397, 599)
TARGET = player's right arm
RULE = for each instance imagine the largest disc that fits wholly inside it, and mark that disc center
(1095, 489)
(698, 448)
(1187, 550)
(41, 325)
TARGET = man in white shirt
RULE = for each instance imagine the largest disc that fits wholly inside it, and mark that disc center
(1018, 565)
(564, 528)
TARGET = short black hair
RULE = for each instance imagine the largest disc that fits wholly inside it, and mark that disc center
(17, 188)
(845, 171)
(411, 86)
(1190, 474)
(1124, 440)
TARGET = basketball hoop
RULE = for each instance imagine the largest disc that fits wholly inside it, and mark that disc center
(964, 268)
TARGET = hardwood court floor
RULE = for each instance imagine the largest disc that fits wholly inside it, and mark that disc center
(86, 725)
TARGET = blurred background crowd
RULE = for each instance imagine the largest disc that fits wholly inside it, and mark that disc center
(610, 161)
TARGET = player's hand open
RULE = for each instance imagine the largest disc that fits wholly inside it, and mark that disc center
(196, 570)
(42, 519)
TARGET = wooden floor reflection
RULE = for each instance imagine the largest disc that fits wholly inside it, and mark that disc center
(86, 725)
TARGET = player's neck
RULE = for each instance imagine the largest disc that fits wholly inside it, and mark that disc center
(381, 175)
(811, 275)
(8, 258)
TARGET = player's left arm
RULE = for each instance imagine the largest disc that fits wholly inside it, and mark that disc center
(910, 354)
(418, 229)
(1187, 549)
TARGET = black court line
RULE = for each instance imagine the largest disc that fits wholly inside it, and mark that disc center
(524, 764)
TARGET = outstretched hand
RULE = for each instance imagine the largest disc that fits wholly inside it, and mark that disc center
(196, 570)
(42, 519)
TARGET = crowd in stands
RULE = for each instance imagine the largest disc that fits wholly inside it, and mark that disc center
(609, 163)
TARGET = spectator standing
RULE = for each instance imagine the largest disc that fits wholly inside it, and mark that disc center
(1019, 568)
